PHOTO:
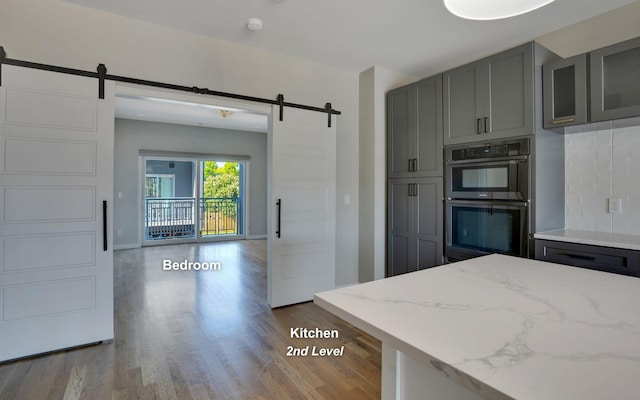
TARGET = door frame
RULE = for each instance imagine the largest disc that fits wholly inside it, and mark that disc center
(268, 110)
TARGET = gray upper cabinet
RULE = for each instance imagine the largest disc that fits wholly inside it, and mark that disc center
(565, 91)
(463, 103)
(615, 81)
(400, 132)
(415, 129)
(492, 98)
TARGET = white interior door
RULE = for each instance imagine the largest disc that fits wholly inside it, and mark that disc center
(56, 169)
(302, 195)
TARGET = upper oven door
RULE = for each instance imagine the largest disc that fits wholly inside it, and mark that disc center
(495, 179)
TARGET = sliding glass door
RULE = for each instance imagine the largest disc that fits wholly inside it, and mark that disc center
(192, 199)
(221, 200)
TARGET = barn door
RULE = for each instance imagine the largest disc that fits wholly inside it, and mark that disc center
(56, 184)
(302, 207)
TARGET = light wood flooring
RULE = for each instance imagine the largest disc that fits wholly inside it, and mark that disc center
(201, 335)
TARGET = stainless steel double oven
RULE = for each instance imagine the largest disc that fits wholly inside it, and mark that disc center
(487, 199)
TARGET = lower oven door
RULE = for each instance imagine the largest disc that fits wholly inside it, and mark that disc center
(476, 228)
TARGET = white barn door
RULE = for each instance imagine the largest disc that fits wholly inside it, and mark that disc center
(302, 195)
(56, 169)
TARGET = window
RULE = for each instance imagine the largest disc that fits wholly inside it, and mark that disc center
(159, 186)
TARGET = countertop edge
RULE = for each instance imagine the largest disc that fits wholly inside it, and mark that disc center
(449, 371)
(582, 237)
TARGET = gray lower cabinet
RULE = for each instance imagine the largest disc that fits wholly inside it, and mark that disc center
(615, 81)
(565, 92)
(415, 224)
(492, 98)
(608, 259)
(414, 129)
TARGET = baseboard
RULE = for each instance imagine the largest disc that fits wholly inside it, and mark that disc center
(255, 237)
(126, 246)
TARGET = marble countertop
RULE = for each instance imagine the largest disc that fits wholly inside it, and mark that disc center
(607, 239)
(507, 327)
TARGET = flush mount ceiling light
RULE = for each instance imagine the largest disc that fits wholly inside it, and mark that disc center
(254, 24)
(492, 9)
(224, 113)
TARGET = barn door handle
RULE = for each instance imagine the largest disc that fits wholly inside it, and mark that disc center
(279, 204)
(104, 226)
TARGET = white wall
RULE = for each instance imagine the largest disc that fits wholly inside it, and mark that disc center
(59, 33)
(133, 136)
(374, 84)
(602, 161)
(612, 27)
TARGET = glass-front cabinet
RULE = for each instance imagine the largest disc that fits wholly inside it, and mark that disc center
(565, 92)
(615, 81)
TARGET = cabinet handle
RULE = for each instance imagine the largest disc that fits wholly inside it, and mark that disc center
(410, 165)
(415, 164)
(486, 120)
(413, 189)
(279, 204)
(580, 257)
(478, 131)
(563, 120)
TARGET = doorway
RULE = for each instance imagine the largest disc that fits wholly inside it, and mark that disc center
(299, 180)
(192, 199)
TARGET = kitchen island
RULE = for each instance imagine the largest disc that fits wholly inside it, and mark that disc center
(500, 327)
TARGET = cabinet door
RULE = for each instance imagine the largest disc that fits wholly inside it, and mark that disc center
(429, 126)
(400, 131)
(615, 81)
(462, 104)
(565, 91)
(508, 101)
(429, 238)
(400, 227)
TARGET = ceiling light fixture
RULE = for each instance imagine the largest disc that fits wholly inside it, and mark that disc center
(254, 24)
(492, 9)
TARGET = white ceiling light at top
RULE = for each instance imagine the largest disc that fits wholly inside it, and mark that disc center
(492, 9)
(254, 24)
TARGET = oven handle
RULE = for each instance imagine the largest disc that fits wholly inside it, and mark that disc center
(484, 203)
(514, 159)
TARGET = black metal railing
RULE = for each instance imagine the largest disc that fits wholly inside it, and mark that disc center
(167, 218)
(171, 218)
(220, 216)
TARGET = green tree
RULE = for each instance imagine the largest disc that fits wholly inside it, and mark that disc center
(221, 181)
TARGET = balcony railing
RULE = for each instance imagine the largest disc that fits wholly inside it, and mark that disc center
(172, 218)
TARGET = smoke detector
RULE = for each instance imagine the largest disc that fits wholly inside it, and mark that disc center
(254, 24)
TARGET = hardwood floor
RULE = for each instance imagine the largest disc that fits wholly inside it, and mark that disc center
(202, 335)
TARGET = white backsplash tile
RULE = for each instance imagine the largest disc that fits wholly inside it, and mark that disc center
(602, 161)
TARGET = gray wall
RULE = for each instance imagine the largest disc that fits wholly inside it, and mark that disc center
(183, 171)
(133, 136)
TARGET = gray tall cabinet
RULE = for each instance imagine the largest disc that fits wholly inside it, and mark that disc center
(414, 171)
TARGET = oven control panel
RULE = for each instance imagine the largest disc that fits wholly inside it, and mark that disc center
(500, 149)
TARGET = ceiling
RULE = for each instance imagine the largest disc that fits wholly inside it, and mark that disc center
(185, 113)
(414, 37)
